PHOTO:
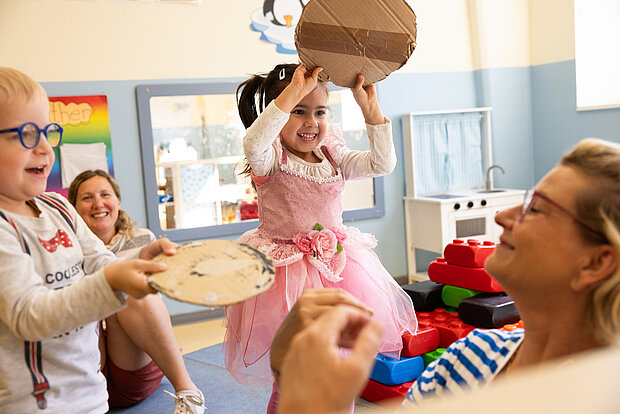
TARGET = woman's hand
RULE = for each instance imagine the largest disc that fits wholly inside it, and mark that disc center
(316, 376)
(304, 81)
(366, 98)
(157, 247)
(310, 306)
(131, 276)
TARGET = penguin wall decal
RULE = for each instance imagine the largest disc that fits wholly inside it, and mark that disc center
(276, 20)
(284, 12)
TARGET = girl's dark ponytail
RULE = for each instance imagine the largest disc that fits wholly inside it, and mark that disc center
(246, 99)
(256, 93)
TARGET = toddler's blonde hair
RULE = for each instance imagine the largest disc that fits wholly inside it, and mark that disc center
(14, 84)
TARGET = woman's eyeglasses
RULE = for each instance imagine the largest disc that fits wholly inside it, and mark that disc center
(30, 134)
(528, 202)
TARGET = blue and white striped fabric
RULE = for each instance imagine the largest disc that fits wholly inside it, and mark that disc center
(467, 364)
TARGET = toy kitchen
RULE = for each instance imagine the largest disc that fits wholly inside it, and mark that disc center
(449, 182)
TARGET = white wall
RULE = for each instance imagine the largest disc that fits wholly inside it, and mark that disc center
(77, 40)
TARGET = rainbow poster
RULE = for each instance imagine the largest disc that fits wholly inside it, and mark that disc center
(85, 120)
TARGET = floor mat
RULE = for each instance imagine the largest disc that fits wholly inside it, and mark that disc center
(222, 393)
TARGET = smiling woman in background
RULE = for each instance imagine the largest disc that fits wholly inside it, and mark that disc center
(138, 341)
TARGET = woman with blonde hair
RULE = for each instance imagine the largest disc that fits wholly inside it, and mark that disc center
(558, 258)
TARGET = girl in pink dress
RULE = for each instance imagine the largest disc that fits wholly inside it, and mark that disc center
(299, 165)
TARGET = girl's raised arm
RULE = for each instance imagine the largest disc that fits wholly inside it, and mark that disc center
(366, 98)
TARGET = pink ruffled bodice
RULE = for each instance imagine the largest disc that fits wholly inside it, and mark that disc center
(290, 205)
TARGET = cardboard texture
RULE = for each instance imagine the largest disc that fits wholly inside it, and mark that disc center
(345, 37)
(214, 273)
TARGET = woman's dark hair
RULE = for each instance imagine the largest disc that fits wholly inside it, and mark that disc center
(256, 93)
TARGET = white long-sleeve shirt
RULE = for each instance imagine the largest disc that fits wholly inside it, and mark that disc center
(262, 154)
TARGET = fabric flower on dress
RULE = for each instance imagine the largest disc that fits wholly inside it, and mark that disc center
(322, 243)
(303, 242)
(341, 235)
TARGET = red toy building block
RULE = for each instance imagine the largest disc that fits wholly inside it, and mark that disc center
(450, 327)
(470, 254)
(424, 340)
(467, 277)
(390, 396)
(248, 210)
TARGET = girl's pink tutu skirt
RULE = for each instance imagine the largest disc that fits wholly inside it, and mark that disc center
(251, 325)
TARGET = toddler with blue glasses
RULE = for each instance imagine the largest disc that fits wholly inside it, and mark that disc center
(58, 279)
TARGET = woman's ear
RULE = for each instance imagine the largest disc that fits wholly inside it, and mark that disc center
(603, 261)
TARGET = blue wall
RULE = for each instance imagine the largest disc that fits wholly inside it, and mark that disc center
(558, 126)
(534, 120)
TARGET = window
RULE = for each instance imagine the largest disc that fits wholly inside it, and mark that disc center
(597, 55)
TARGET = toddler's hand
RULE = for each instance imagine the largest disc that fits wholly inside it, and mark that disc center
(157, 247)
(131, 276)
(366, 98)
(303, 82)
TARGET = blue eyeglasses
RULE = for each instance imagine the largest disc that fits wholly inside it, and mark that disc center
(30, 134)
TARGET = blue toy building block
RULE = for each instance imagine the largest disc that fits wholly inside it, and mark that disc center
(392, 371)
(426, 296)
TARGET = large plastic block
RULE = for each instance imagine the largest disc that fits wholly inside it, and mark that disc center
(470, 254)
(467, 277)
(449, 325)
(425, 296)
(392, 371)
(489, 310)
(433, 355)
(453, 295)
(424, 340)
(390, 396)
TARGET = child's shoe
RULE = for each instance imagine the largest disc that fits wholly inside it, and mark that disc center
(188, 402)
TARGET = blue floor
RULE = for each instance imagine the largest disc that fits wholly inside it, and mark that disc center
(222, 394)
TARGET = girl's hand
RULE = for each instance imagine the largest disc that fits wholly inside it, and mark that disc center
(366, 98)
(157, 247)
(131, 276)
(303, 82)
(310, 306)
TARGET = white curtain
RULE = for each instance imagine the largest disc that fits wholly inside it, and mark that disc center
(448, 152)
